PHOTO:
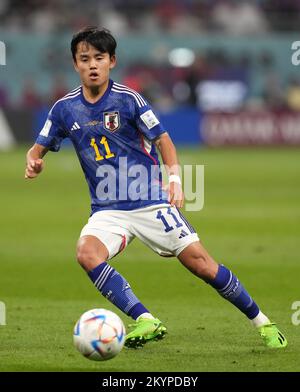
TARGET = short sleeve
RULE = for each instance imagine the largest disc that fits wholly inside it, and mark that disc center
(52, 133)
(147, 121)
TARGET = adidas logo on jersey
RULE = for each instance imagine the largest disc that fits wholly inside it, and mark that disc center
(183, 234)
(75, 126)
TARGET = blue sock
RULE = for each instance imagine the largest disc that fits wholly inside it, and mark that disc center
(229, 287)
(117, 290)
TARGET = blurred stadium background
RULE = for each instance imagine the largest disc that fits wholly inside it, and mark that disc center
(220, 74)
(220, 70)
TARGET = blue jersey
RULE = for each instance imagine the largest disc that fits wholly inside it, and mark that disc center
(113, 139)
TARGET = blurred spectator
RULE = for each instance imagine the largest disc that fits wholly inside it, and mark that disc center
(283, 15)
(239, 17)
(44, 20)
(112, 19)
(30, 99)
(147, 82)
(272, 85)
(4, 7)
(177, 17)
(273, 93)
(59, 88)
(3, 97)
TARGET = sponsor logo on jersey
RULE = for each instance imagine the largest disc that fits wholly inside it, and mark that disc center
(111, 121)
(75, 126)
(93, 123)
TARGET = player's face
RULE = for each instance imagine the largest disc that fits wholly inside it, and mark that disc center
(93, 66)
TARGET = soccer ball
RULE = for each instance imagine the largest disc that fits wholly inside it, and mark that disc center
(99, 334)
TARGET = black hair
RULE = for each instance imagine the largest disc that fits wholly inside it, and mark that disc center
(100, 39)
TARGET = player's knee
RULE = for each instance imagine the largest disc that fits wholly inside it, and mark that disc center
(86, 257)
(90, 252)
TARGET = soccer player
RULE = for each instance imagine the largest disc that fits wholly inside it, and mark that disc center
(115, 134)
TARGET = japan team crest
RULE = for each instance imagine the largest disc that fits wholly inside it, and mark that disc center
(111, 121)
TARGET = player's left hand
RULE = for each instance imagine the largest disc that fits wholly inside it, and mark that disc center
(175, 194)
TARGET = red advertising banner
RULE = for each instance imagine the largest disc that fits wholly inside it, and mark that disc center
(251, 128)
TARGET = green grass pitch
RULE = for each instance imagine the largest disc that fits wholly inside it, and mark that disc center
(250, 222)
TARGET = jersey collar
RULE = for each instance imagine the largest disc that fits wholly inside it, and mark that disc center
(104, 96)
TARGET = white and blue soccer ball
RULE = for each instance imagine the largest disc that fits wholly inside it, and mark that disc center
(99, 334)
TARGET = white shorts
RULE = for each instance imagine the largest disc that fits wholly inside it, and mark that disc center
(161, 227)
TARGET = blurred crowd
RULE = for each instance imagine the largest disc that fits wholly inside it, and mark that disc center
(130, 16)
(214, 79)
(217, 81)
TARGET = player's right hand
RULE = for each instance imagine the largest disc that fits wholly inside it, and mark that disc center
(33, 168)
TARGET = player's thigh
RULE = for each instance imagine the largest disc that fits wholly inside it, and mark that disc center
(164, 229)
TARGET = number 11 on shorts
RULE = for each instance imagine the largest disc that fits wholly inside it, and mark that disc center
(165, 222)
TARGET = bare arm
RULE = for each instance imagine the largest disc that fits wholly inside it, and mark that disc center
(34, 161)
(170, 160)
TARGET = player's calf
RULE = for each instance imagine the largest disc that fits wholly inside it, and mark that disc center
(196, 259)
(91, 254)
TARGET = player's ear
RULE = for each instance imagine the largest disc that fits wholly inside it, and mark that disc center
(113, 61)
(75, 66)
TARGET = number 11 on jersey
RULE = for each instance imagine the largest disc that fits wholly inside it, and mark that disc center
(98, 156)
